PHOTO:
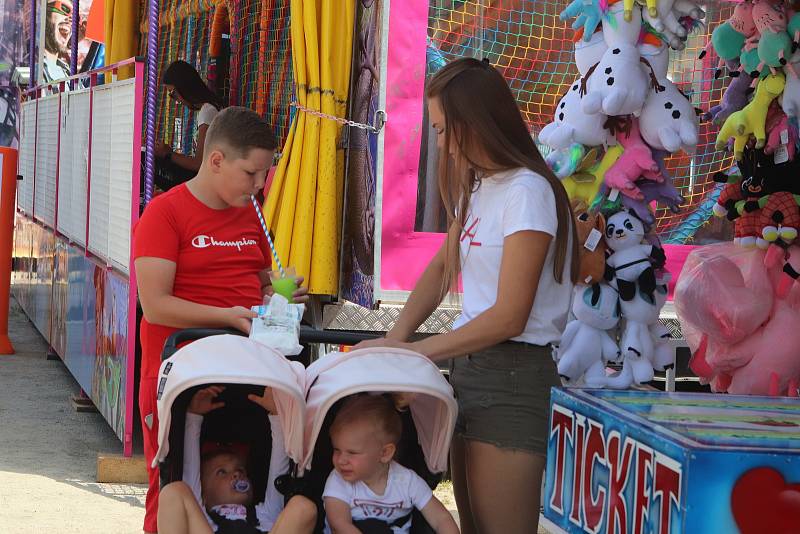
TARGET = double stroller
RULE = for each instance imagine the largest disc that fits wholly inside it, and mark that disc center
(307, 400)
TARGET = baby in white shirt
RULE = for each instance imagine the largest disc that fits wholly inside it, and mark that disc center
(368, 492)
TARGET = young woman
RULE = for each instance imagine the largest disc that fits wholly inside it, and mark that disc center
(512, 240)
(184, 84)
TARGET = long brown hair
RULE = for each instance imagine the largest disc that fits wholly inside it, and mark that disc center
(480, 111)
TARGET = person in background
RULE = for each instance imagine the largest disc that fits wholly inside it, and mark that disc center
(184, 85)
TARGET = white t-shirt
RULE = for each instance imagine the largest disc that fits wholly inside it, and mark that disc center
(506, 203)
(269, 509)
(405, 490)
(206, 115)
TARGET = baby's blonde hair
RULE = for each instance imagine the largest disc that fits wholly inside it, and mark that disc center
(377, 410)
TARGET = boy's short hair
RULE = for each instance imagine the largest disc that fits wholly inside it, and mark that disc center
(376, 409)
(239, 130)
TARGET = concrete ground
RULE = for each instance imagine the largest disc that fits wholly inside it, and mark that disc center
(48, 451)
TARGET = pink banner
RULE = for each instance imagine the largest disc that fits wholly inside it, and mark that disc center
(404, 253)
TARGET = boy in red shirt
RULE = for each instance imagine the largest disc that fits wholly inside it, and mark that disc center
(201, 257)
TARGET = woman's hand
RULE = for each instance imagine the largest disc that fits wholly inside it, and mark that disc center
(240, 318)
(383, 342)
(266, 400)
(203, 401)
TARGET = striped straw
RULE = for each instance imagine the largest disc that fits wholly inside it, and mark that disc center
(266, 233)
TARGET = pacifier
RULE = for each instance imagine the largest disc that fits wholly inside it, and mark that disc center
(241, 485)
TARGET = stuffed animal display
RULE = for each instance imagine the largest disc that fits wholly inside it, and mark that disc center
(609, 138)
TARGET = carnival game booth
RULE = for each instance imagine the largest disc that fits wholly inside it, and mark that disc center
(630, 461)
(77, 202)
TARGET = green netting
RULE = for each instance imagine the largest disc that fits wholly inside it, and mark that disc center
(534, 49)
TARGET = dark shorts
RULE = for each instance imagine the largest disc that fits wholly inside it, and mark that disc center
(503, 395)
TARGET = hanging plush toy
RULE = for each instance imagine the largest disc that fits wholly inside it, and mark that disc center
(668, 120)
(636, 161)
(585, 346)
(656, 53)
(751, 120)
(590, 227)
(636, 342)
(589, 52)
(666, 21)
(630, 9)
(631, 263)
(588, 15)
(572, 125)
(663, 353)
(734, 99)
(565, 161)
(781, 134)
(790, 100)
(585, 182)
(618, 30)
(773, 43)
(728, 38)
(618, 84)
(779, 219)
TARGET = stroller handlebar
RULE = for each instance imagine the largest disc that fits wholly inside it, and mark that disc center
(307, 335)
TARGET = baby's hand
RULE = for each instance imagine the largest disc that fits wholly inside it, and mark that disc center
(203, 400)
(403, 400)
(266, 401)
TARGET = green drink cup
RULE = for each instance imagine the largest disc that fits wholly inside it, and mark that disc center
(285, 284)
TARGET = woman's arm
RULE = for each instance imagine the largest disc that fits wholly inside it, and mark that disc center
(524, 254)
(192, 163)
(423, 299)
(155, 278)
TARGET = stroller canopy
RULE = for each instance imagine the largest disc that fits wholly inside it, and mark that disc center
(229, 359)
(337, 375)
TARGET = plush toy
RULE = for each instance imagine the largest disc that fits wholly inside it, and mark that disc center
(779, 218)
(636, 161)
(740, 200)
(752, 118)
(665, 20)
(794, 28)
(734, 99)
(728, 38)
(617, 30)
(781, 134)
(618, 85)
(590, 227)
(585, 345)
(589, 52)
(668, 120)
(585, 182)
(750, 63)
(663, 353)
(663, 193)
(631, 262)
(722, 294)
(656, 53)
(572, 125)
(566, 161)
(790, 100)
(630, 8)
(773, 43)
(587, 13)
(636, 342)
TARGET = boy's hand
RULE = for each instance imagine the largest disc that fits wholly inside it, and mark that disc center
(298, 297)
(203, 400)
(240, 318)
(266, 400)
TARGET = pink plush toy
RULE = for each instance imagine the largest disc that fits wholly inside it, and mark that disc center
(761, 359)
(780, 131)
(635, 162)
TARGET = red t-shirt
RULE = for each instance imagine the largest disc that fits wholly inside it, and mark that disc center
(218, 255)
